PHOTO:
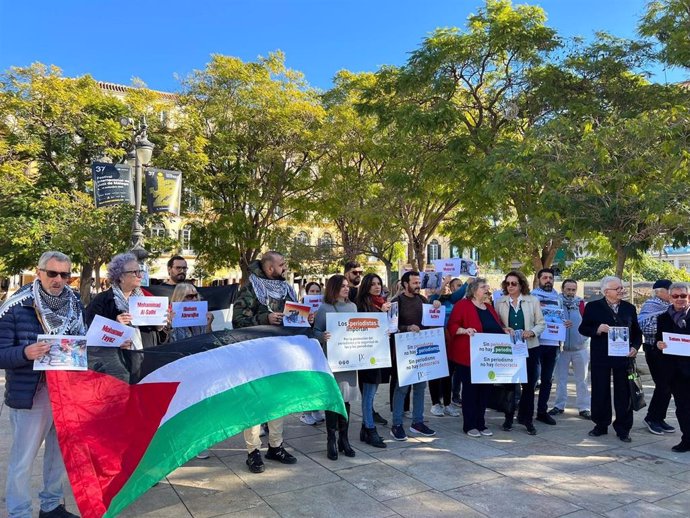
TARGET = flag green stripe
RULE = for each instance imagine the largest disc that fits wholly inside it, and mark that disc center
(223, 415)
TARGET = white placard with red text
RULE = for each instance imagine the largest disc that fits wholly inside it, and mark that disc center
(433, 317)
(104, 332)
(314, 301)
(676, 344)
(190, 314)
(148, 311)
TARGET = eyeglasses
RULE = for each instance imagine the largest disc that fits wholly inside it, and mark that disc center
(138, 273)
(52, 274)
(512, 283)
(619, 288)
(191, 296)
(680, 296)
(181, 268)
(357, 272)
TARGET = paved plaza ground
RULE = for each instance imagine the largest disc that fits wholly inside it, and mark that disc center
(559, 472)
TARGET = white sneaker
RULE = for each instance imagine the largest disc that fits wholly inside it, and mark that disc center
(474, 433)
(318, 416)
(307, 419)
(203, 454)
(437, 410)
(486, 432)
(449, 410)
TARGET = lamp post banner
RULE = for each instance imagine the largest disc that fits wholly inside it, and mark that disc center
(163, 191)
(112, 184)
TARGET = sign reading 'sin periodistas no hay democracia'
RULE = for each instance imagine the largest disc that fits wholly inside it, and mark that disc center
(421, 356)
(358, 341)
(492, 360)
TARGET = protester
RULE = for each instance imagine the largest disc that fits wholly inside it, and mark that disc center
(599, 316)
(548, 349)
(409, 320)
(185, 292)
(177, 270)
(661, 397)
(469, 316)
(336, 301)
(574, 353)
(521, 311)
(125, 276)
(353, 273)
(46, 306)
(675, 368)
(371, 300)
(261, 302)
(316, 416)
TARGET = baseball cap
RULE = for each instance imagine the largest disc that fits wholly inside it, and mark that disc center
(662, 283)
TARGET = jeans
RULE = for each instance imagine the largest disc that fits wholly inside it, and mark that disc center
(30, 428)
(548, 354)
(417, 402)
(580, 361)
(368, 394)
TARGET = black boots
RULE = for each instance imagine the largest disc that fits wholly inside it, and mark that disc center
(331, 427)
(343, 439)
(371, 436)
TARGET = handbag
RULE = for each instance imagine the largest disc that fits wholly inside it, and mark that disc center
(502, 397)
(636, 390)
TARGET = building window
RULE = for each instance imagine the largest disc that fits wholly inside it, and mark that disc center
(302, 238)
(326, 242)
(159, 230)
(433, 250)
(186, 240)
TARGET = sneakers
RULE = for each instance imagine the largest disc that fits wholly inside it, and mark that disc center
(486, 432)
(507, 425)
(437, 410)
(449, 410)
(654, 427)
(474, 433)
(667, 428)
(555, 411)
(255, 462)
(681, 447)
(546, 419)
(531, 430)
(422, 429)
(318, 416)
(456, 401)
(398, 433)
(378, 419)
(307, 419)
(585, 414)
(280, 454)
(597, 432)
(203, 454)
(58, 512)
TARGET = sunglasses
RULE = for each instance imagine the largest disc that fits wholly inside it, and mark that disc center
(182, 268)
(191, 296)
(138, 273)
(357, 272)
(512, 283)
(52, 274)
(680, 296)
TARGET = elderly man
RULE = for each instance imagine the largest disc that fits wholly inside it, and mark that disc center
(599, 317)
(47, 306)
(649, 313)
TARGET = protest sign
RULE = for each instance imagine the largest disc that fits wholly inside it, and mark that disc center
(431, 280)
(104, 332)
(314, 301)
(393, 317)
(296, 315)
(67, 353)
(450, 267)
(190, 313)
(148, 311)
(555, 328)
(358, 341)
(676, 344)
(421, 356)
(493, 360)
(619, 341)
(433, 317)
(519, 344)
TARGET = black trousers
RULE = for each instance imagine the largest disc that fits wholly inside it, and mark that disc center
(548, 354)
(475, 397)
(439, 390)
(661, 397)
(680, 387)
(601, 398)
(526, 407)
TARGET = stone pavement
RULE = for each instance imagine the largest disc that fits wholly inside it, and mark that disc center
(559, 472)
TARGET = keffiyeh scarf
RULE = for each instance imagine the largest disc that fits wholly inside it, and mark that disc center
(267, 289)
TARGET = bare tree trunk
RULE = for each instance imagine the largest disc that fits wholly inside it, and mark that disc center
(621, 257)
(85, 283)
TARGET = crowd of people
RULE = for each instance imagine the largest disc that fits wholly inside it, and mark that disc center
(49, 306)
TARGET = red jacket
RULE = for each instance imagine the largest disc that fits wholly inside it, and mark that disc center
(464, 315)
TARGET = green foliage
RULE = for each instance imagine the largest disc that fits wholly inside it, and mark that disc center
(645, 269)
(669, 22)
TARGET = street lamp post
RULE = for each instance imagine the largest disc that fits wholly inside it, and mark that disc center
(141, 151)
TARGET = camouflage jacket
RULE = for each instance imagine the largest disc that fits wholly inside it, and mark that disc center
(247, 310)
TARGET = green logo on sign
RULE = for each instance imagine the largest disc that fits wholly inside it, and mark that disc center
(372, 360)
(492, 375)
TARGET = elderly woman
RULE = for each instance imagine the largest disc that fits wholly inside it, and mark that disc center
(520, 311)
(125, 280)
(336, 299)
(598, 319)
(676, 369)
(471, 315)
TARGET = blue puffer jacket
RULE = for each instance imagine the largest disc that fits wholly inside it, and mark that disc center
(19, 327)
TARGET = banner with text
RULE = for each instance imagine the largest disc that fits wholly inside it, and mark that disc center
(112, 184)
(493, 360)
(421, 356)
(163, 191)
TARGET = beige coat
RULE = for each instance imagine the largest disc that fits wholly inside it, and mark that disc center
(531, 309)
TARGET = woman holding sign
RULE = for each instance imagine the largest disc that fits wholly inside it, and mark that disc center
(676, 321)
(520, 311)
(186, 292)
(125, 276)
(469, 316)
(336, 299)
(315, 416)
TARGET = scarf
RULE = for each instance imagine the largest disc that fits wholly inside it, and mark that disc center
(122, 303)
(678, 317)
(267, 289)
(378, 301)
(652, 308)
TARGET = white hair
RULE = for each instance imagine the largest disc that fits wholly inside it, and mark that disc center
(53, 254)
(607, 279)
(678, 286)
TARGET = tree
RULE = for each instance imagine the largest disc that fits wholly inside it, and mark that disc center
(248, 141)
(669, 22)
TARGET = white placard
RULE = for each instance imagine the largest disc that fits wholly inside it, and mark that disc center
(450, 267)
(393, 317)
(296, 315)
(676, 344)
(520, 349)
(431, 280)
(492, 360)
(148, 311)
(190, 314)
(67, 353)
(421, 356)
(619, 341)
(433, 317)
(358, 341)
(555, 327)
(104, 332)
(314, 301)
(222, 319)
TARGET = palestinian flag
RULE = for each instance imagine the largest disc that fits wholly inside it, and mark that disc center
(135, 416)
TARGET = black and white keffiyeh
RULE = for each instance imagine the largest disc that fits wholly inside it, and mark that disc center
(267, 289)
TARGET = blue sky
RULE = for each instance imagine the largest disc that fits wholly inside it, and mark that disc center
(160, 41)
